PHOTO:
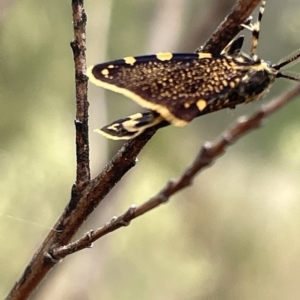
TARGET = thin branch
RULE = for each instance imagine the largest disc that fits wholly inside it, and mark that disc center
(206, 156)
(78, 46)
(230, 27)
(42, 262)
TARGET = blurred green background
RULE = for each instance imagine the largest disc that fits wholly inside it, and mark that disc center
(234, 234)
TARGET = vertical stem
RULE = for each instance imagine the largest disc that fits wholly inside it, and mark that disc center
(81, 123)
(42, 261)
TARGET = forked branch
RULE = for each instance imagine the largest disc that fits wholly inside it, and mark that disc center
(87, 195)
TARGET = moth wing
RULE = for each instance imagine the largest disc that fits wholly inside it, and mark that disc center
(177, 86)
(131, 126)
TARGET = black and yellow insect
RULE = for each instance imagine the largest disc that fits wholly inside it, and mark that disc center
(176, 88)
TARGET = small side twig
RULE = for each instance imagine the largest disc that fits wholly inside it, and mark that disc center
(206, 156)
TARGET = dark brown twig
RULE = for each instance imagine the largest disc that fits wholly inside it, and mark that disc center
(230, 27)
(42, 261)
(206, 156)
(78, 46)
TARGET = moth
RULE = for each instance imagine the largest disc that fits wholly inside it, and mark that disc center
(175, 88)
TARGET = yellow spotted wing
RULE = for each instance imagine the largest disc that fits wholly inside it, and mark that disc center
(179, 87)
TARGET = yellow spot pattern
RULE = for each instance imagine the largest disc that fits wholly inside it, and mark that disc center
(204, 55)
(130, 60)
(105, 72)
(201, 104)
(164, 56)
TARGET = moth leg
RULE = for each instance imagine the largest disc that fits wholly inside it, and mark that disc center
(234, 47)
(254, 28)
(131, 126)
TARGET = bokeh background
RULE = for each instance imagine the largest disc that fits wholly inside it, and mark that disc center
(234, 234)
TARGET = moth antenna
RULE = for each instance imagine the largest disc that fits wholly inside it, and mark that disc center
(289, 75)
(290, 60)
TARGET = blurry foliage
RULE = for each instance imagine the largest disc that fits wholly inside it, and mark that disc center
(232, 235)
